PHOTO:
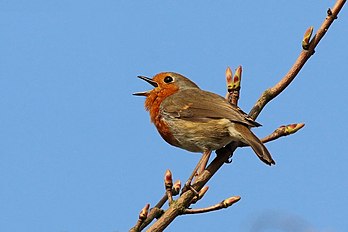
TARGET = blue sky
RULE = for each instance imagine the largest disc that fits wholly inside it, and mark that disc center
(78, 152)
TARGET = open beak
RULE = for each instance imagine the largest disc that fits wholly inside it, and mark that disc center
(148, 80)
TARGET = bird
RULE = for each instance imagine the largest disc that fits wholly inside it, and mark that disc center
(196, 120)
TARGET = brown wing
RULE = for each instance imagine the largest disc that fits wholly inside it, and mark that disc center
(199, 105)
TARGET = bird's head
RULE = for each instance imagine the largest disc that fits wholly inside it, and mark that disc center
(166, 83)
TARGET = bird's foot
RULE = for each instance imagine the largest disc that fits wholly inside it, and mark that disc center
(202, 163)
(188, 186)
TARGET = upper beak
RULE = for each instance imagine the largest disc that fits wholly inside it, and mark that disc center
(148, 80)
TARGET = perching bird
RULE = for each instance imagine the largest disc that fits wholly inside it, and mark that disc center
(197, 120)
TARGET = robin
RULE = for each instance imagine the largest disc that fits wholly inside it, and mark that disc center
(197, 120)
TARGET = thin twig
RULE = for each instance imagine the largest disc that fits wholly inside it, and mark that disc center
(142, 216)
(223, 204)
(156, 211)
(280, 132)
(271, 93)
(283, 131)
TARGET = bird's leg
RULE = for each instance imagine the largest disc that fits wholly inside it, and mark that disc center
(202, 163)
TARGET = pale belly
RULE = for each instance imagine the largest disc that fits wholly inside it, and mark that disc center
(201, 136)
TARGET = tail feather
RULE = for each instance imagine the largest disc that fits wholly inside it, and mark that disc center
(255, 143)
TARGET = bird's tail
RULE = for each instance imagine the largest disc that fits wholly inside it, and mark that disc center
(255, 143)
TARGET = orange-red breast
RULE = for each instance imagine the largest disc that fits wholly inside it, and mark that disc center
(197, 120)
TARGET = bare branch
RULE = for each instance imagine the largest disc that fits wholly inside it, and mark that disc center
(271, 93)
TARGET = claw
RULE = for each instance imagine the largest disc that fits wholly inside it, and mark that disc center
(187, 187)
(202, 163)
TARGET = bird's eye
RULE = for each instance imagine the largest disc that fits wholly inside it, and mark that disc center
(168, 79)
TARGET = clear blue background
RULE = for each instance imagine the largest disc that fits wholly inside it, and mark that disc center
(78, 152)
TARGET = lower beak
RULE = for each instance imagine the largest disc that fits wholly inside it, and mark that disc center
(148, 80)
(141, 93)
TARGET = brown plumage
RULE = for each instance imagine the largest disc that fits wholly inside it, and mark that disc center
(197, 120)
